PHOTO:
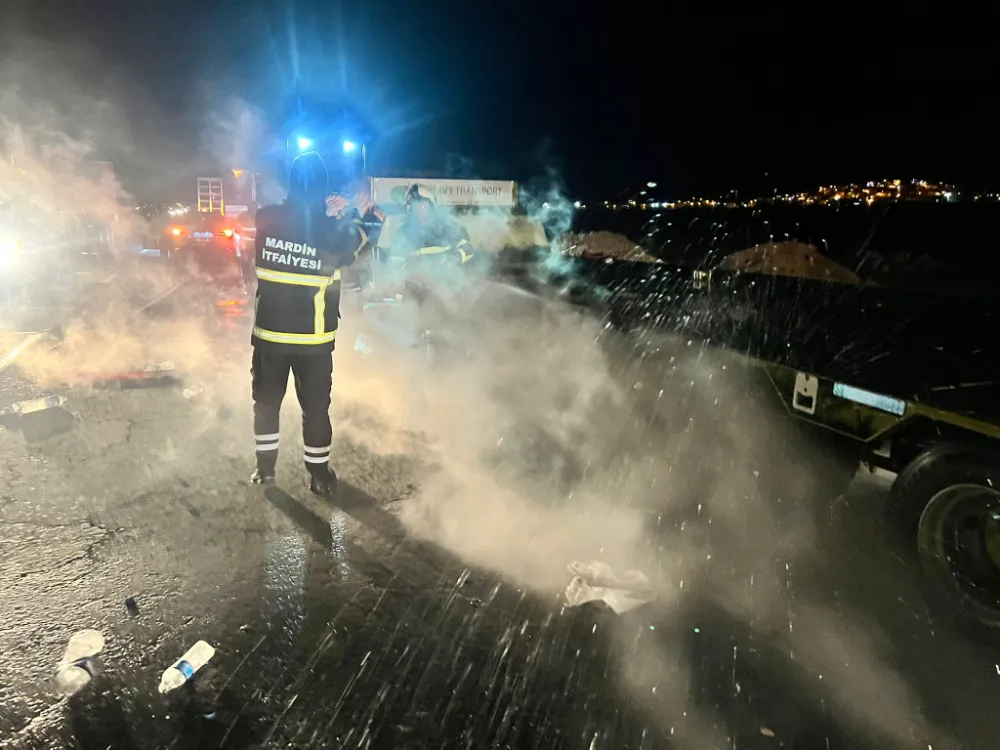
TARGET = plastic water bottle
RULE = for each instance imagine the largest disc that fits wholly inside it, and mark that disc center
(186, 667)
(35, 404)
(77, 666)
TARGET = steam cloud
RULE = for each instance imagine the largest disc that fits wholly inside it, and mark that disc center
(552, 439)
(63, 202)
(548, 446)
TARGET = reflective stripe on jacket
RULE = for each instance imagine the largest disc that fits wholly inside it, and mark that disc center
(324, 330)
(442, 234)
(462, 249)
(299, 254)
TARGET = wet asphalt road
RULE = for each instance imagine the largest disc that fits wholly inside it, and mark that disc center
(336, 627)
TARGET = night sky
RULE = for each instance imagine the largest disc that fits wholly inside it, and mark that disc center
(605, 99)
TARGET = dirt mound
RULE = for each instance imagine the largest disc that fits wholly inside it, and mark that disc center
(605, 244)
(788, 259)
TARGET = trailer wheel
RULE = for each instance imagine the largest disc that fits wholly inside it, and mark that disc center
(946, 502)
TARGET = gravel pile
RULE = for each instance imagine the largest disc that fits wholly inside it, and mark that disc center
(605, 244)
(788, 259)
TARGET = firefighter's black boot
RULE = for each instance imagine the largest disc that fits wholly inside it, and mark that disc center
(322, 479)
(264, 473)
(261, 477)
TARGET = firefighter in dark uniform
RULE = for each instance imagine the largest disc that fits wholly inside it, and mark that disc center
(429, 235)
(300, 250)
(429, 244)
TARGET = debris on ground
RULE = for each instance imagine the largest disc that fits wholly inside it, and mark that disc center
(77, 666)
(186, 667)
(156, 374)
(794, 259)
(132, 606)
(34, 405)
(595, 581)
(105, 377)
(193, 391)
(604, 245)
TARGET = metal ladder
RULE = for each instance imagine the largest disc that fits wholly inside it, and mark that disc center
(210, 195)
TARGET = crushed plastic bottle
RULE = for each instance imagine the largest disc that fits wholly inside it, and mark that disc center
(34, 404)
(77, 666)
(186, 667)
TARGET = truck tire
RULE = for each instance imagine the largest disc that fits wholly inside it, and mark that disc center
(945, 505)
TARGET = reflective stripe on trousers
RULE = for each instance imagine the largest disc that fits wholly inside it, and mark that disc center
(313, 374)
(317, 455)
(267, 442)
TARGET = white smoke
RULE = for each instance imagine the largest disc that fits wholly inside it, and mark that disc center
(544, 198)
(235, 134)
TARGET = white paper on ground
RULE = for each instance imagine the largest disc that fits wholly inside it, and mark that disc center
(595, 581)
(84, 644)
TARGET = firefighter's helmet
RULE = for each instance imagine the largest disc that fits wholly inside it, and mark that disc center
(419, 194)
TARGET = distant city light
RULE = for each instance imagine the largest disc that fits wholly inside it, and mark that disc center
(349, 146)
(858, 194)
(651, 184)
(304, 143)
(577, 204)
